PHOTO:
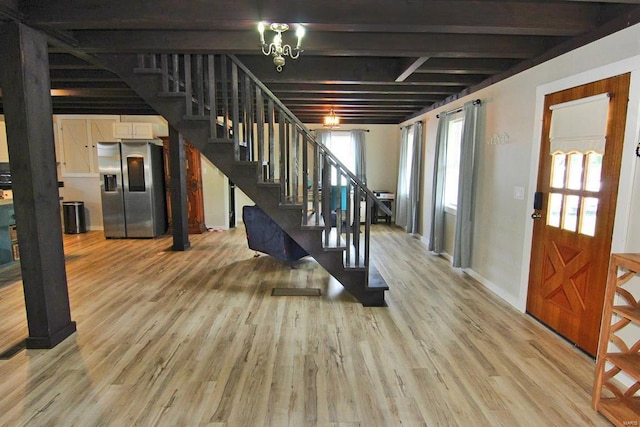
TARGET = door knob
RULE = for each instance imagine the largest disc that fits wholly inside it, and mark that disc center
(536, 215)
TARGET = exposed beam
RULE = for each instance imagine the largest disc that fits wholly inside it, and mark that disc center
(333, 44)
(466, 65)
(323, 70)
(411, 68)
(486, 17)
(373, 88)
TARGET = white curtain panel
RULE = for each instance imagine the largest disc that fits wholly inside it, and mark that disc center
(436, 229)
(408, 191)
(464, 216)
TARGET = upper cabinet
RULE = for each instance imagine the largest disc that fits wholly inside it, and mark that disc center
(78, 138)
(132, 130)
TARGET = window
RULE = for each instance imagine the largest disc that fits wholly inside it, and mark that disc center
(452, 171)
(341, 146)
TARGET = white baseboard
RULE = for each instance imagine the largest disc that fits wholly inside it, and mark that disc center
(512, 300)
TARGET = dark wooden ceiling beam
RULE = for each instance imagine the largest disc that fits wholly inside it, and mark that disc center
(330, 43)
(323, 70)
(347, 105)
(485, 66)
(395, 99)
(410, 68)
(443, 16)
(302, 88)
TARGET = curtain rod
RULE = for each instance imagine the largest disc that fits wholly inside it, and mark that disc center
(457, 110)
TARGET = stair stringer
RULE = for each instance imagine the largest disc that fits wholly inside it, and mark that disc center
(245, 176)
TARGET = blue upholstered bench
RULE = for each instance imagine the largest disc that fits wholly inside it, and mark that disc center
(264, 235)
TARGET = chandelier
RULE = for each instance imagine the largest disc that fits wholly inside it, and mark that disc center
(276, 48)
(331, 120)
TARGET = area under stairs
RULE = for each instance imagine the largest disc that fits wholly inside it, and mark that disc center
(222, 109)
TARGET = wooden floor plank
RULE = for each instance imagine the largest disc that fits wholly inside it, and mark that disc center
(195, 338)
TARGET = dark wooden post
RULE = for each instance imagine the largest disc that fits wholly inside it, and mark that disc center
(179, 217)
(26, 90)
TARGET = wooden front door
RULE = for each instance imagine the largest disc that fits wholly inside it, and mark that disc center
(574, 225)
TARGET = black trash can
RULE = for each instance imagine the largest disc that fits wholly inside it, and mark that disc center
(73, 214)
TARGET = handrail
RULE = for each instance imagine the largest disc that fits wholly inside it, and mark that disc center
(311, 177)
(312, 137)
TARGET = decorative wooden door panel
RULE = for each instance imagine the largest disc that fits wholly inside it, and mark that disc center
(577, 186)
(195, 198)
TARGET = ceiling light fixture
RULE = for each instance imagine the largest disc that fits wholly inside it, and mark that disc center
(276, 48)
(331, 120)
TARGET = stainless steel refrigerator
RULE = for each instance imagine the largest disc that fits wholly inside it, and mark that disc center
(132, 189)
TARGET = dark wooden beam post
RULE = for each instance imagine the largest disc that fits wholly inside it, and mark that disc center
(178, 185)
(24, 78)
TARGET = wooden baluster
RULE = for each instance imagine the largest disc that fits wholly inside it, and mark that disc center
(339, 207)
(248, 111)
(305, 179)
(281, 146)
(348, 226)
(272, 138)
(356, 232)
(235, 113)
(326, 197)
(164, 64)
(176, 72)
(357, 196)
(188, 89)
(260, 139)
(224, 87)
(287, 158)
(295, 181)
(213, 101)
(316, 182)
(367, 232)
(199, 78)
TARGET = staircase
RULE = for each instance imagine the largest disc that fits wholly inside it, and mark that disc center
(217, 104)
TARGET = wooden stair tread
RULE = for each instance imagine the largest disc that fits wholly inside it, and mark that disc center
(311, 221)
(376, 281)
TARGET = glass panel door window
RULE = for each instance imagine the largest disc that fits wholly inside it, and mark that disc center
(575, 178)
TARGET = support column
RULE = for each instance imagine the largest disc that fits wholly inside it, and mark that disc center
(179, 216)
(26, 91)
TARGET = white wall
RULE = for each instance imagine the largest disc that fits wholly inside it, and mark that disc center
(503, 230)
(215, 186)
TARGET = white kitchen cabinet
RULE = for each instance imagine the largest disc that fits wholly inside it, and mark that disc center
(133, 130)
(78, 141)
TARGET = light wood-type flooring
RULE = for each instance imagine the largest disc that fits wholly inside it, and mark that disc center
(195, 338)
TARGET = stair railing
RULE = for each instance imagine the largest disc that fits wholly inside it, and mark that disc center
(238, 106)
